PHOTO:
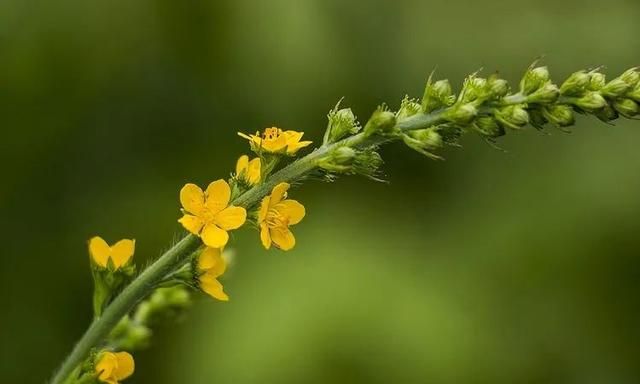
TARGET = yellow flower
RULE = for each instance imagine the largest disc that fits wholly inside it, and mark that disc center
(112, 367)
(276, 140)
(208, 214)
(276, 214)
(248, 171)
(211, 265)
(119, 253)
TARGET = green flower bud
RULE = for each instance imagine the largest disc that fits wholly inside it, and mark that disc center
(437, 95)
(576, 84)
(341, 123)
(559, 115)
(513, 116)
(462, 114)
(607, 114)
(597, 81)
(537, 119)
(408, 108)
(498, 88)
(343, 155)
(424, 141)
(487, 126)
(591, 102)
(631, 77)
(634, 93)
(381, 121)
(627, 108)
(533, 79)
(615, 88)
(547, 94)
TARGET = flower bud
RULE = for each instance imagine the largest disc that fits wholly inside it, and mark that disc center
(408, 108)
(498, 88)
(513, 116)
(559, 115)
(607, 114)
(634, 93)
(547, 94)
(533, 79)
(381, 121)
(488, 127)
(627, 108)
(342, 122)
(591, 102)
(597, 81)
(576, 84)
(437, 95)
(631, 77)
(615, 88)
(424, 141)
(343, 155)
(461, 114)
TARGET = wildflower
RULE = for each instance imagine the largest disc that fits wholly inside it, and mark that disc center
(275, 140)
(119, 253)
(248, 171)
(276, 214)
(208, 214)
(112, 367)
(211, 265)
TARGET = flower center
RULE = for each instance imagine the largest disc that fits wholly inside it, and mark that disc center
(276, 220)
(270, 134)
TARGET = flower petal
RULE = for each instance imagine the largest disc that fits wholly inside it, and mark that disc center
(265, 236)
(99, 251)
(208, 258)
(283, 238)
(242, 164)
(292, 209)
(278, 193)
(122, 251)
(264, 208)
(218, 195)
(105, 366)
(253, 172)
(230, 218)
(191, 223)
(192, 198)
(125, 366)
(213, 287)
(293, 148)
(213, 236)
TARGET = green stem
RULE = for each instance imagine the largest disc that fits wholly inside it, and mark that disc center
(175, 257)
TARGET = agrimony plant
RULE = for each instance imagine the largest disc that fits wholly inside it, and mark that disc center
(127, 306)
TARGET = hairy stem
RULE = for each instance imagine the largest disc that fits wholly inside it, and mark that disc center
(177, 255)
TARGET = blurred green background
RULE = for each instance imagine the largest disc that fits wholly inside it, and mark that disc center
(487, 268)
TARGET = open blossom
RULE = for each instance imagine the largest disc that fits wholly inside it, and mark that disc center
(112, 367)
(248, 171)
(276, 214)
(211, 265)
(119, 253)
(208, 214)
(275, 140)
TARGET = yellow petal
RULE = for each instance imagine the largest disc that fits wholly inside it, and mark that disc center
(192, 198)
(283, 238)
(253, 172)
(125, 366)
(293, 148)
(265, 236)
(264, 208)
(242, 164)
(213, 236)
(208, 258)
(105, 366)
(291, 209)
(230, 218)
(191, 223)
(218, 195)
(278, 193)
(293, 136)
(122, 251)
(212, 287)
(99, 251)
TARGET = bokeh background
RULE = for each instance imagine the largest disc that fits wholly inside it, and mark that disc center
(490, 267)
